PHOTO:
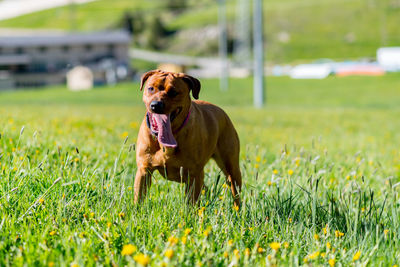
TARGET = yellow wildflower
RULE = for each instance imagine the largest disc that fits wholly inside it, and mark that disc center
(169, 253)
(207, 231)
(53, 233)
(184, 240)
(331, 262)
(275, 245)
(142, 259)
(275, 171)
(187, 231)
(386, 231)
(225, 254)
(128, 250)
(260, 250)
(247, 252)
(328, 245)
(316, 237)
(172, 240)
(285, 244)
(357, 255)
(236, 252)
(201, 211)
(41, 200)
(314, 255)
(338, 233)
(124, 135)
(230, 242)
(325, 229)
(235, 207)
(290, 172)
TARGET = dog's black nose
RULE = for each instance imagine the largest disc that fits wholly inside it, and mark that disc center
(157, 106)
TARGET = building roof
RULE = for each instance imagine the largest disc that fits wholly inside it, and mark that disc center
(115, 37)
(14, 60)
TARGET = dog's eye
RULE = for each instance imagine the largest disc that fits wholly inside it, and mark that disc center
(172, 93)
(150, 89)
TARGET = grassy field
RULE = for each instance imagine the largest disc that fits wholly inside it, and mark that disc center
(321, 170)
(337, 29)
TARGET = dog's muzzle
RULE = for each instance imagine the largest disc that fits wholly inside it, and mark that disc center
(157, 107)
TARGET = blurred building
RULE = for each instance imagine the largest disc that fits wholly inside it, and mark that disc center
(40, 60)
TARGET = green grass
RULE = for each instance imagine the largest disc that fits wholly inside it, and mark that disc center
(321, 159)
(337, 29)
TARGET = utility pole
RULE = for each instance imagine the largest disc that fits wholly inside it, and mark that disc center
(258, 97)
(223, 46)
(242, 48)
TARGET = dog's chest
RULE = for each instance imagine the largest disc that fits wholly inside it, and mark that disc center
(172, 164)
(171, 157)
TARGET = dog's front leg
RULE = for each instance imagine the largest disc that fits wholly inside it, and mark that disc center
(194, 185)
(142, 183)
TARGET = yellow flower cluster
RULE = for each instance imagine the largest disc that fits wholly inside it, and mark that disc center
(169, 253)
(338, 233)
(142, 259)
(128, 250)
(275, 246)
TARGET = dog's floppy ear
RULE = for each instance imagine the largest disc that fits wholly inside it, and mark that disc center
(145, 77)
(193, 84)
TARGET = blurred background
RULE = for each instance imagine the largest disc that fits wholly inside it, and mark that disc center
(85, 43)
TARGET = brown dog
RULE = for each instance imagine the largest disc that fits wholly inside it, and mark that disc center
(178, 136)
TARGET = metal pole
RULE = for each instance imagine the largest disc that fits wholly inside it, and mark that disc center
(258, 97)
(223, 45)
(242, 48)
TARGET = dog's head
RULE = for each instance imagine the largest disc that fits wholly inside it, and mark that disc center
(168, 92)
(167, 99)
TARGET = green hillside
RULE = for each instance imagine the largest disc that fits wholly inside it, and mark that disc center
(295, 29)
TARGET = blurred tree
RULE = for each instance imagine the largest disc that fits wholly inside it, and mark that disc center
(155, 33)
(133, 23)
(177, 6)
(128, 22)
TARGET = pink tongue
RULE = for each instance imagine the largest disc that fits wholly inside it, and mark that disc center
(165, 136)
